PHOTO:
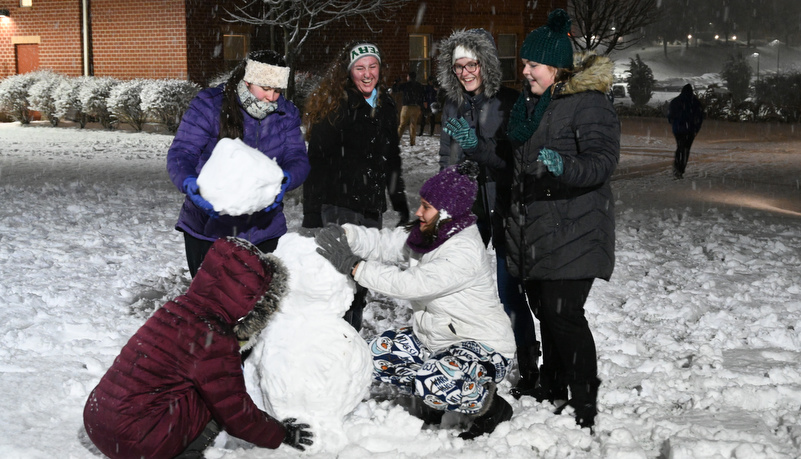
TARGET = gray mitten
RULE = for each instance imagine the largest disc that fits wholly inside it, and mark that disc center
(333, 245)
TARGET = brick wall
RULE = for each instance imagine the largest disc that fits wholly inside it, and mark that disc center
(142, 39)
(183, 38)
(55, 26)
(439, 18)
(206, 25)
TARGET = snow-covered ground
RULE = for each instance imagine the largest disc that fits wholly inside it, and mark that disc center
(697, 331)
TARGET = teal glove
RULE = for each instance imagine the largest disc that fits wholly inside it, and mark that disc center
(552, 160)
(461, 131)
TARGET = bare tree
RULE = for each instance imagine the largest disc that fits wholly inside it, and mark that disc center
(297, 19)
(611, 24)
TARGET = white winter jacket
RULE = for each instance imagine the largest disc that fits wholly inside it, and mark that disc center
(452, 290)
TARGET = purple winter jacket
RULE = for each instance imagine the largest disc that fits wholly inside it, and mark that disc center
(277, 136)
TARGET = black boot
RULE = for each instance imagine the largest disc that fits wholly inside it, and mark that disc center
(527, 364)
(196, 447)
(495, 411)
(584, 402)
(418, 408)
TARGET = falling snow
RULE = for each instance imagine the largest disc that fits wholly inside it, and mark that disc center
(697, 331)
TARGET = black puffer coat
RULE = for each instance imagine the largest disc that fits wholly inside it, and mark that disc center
(355, 160)
(563, 228)
(488, 113)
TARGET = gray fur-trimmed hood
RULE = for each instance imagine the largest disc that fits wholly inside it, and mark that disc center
(239, 284)
(249, 327)
(482, 43)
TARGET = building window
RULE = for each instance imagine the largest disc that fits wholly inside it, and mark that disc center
(507, 53)
(25, 3)
(420, 56)
(235, 47)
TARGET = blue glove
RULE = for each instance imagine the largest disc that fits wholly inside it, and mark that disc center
(193, 192)
(552, 160)
(461, 131)
(280, 197)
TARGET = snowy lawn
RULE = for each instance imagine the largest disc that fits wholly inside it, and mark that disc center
(697, 331)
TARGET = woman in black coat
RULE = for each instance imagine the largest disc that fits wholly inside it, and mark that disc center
(352, 128)
(561, 230)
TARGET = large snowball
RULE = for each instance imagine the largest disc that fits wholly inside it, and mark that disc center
(238, 179)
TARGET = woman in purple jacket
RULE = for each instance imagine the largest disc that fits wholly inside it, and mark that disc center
(249, 106)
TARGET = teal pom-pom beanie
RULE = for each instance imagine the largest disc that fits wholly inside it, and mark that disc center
(550, 44)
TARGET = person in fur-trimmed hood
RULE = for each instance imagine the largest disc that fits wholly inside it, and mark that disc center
(561, 228)
(474, 123)
(178, 381)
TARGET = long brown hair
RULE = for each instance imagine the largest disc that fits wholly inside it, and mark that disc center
(324, 101)
(232, 123)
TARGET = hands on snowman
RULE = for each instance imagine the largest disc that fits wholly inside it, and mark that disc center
(333, 245)
(297, 435)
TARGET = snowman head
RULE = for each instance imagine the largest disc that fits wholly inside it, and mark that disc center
(315, 286)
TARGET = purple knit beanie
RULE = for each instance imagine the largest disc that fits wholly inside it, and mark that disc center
(452, 191)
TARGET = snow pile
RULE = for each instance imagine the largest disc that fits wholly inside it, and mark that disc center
(697, 331)
(238, 179)
(309, 363)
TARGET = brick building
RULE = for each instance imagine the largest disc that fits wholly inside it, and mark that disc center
(191, 39)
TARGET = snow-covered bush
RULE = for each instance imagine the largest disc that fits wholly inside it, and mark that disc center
(125, 104)
(167, 100)
(42, 94)
(779, 97)
(94, 95)
(14, 96)
(67, 102)
(641, 82)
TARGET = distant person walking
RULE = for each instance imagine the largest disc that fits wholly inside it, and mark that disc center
(430, 105)
(413, 95)
(685, 114)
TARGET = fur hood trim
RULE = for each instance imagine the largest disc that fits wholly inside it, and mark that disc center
(481, 42)
(591, 73)
(248, 328)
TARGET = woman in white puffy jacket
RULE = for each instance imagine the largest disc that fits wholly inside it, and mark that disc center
(461, 343)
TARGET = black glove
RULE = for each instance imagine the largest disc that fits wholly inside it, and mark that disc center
(297, 435)
(334, 247)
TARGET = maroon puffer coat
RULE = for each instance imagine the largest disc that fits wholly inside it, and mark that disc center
(182, 367)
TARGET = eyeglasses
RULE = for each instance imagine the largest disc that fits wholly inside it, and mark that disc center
(471, 68)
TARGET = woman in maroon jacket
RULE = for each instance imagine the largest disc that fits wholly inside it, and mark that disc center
(178, 381)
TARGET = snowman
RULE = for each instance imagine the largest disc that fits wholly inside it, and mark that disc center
(309, 363)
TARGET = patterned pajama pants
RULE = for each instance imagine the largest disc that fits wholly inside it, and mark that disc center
(453, 379)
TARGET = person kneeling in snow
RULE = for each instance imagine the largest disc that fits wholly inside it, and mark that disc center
(461, 342)
(178, 381)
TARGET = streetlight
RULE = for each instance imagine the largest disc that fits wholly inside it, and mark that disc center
(776, 44)
(757, 56)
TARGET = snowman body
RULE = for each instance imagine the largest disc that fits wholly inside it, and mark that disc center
(308, 363)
